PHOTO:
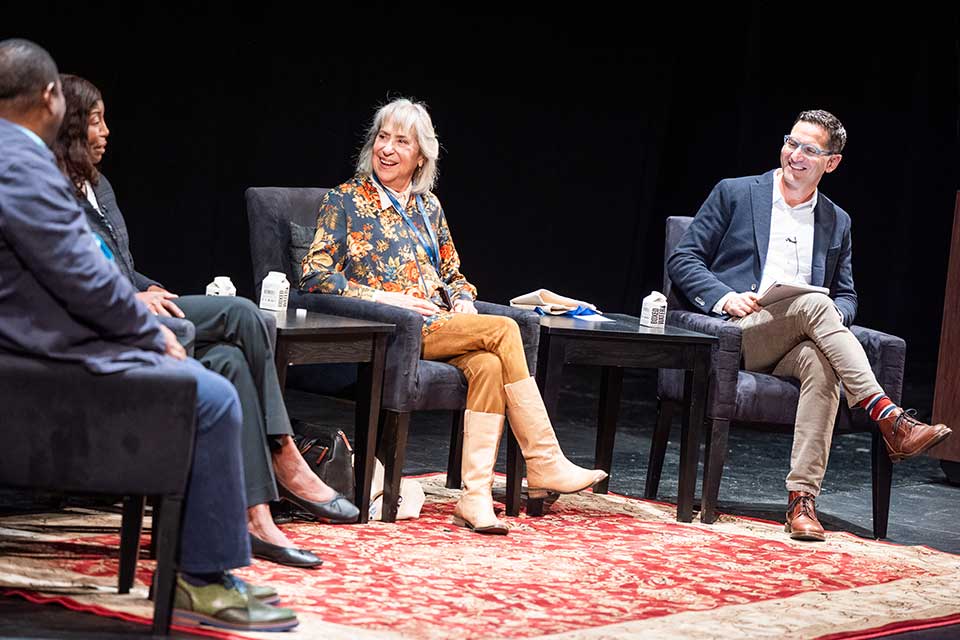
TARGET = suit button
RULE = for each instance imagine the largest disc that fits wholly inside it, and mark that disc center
(753, 287)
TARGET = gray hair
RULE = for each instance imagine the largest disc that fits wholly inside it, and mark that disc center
(829, 123)
(412, 118)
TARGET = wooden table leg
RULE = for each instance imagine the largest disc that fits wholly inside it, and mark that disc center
(611, 385)
(695, 397)
(367, 417)
(550, 371)
(550, 359)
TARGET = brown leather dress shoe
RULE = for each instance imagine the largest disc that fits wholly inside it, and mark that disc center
(802, 523)
(906, 437)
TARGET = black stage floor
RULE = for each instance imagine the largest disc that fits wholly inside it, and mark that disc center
(923, 510)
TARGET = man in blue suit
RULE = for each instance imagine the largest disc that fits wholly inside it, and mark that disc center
(755, 231)
(61, 299)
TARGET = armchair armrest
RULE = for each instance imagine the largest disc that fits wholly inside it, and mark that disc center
(403, 347)
(724, 362)
(529, 323)
(728, 332)
(184, 330)
(270, 322)
(887, 355)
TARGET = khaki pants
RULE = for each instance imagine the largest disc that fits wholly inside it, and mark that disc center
(489, 352)
(804, 337)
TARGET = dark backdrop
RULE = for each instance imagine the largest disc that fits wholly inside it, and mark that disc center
(567, 137)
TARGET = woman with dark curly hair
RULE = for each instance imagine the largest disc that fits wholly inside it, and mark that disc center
(231, 340)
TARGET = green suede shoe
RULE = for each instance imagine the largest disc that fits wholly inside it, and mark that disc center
(228, 605)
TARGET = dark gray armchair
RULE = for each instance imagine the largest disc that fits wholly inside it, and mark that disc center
(762, 401)
(127, 434)
(410, 383)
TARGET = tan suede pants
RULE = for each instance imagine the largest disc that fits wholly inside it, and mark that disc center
(804, 337)
(489, 352)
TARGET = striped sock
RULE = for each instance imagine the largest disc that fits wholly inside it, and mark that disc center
(878, 406)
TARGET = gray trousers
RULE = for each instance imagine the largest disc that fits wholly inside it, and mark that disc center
(233, 341)
(804, 338)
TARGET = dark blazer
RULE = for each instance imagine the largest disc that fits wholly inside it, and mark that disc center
(725, 247)
(109, 223)
(60, 298)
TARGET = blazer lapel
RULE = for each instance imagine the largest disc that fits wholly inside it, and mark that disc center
(824, 220)
(761, 201)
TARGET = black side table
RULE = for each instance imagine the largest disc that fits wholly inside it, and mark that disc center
(317, 338)
(613, 346)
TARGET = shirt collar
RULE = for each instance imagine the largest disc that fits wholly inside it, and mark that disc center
(403, 197)
(810, 204)
(30, 134)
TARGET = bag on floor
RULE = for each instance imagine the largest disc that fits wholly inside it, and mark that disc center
(411, 496)
(330, 456)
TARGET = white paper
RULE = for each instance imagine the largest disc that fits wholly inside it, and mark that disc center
(783, 290)
(596, 317)
(549, 302)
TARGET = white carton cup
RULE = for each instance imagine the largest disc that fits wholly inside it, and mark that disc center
(221, 286)
(274, 291)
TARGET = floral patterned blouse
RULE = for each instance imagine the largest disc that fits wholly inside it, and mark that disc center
(363, 245)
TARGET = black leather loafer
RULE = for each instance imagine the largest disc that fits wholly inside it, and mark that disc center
(283, 555)
(339, 510)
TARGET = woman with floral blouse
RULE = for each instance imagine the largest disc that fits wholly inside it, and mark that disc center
(382, 236)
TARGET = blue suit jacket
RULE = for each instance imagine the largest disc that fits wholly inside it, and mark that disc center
(725, 247)
(60, 298)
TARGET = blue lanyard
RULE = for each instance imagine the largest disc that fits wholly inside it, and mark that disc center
(433, 248)
(103, 246)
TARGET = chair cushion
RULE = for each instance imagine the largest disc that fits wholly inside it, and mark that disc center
(130, 432)
(440, 386)
(301, 237)
(766, 399)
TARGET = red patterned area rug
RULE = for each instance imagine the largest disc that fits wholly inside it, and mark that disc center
(595, 567)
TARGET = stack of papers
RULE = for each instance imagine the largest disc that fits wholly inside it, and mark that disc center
(783, 290)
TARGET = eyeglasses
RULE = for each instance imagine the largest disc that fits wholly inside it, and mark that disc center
(808, 150)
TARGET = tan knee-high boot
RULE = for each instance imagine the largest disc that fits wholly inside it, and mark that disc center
(547, 468)
(481, 439)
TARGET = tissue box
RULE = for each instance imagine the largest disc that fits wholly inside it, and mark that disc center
(654, 310)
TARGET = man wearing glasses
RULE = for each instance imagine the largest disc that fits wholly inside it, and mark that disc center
(758, 230)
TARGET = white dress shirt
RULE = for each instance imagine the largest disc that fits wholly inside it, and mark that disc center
(790, 247)
(403, 197)
(91, 196)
